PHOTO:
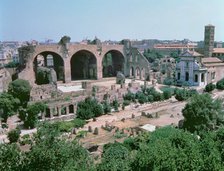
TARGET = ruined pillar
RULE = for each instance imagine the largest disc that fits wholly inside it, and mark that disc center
(67, 70)
(67, 110)
(51, 113)
(99, 69)
(59, 111)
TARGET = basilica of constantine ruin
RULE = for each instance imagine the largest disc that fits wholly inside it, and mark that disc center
(75, 70)
(83, 61)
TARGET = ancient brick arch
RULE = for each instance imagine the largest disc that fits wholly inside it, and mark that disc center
(67, 51)
(113, 61)
(83, 65)
(50, 60)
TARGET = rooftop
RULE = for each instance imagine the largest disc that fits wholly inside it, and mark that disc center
(218, 50)
(211, 60)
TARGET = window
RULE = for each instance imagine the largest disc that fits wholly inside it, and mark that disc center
(50, 60)
(213, 75)
(196, 78)
(187, 64)
(178, 75)
(186, 76)
(202, 77)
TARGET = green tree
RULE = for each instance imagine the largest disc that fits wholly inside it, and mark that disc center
(115, 157)
(10, 157)
(203, 113)
(52, 152)
(89, 108)
(8, 105)
(169, 149)
(30, 115)
(20, 89)
(13, 135)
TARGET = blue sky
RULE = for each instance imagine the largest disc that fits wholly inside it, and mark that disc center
(109, 19)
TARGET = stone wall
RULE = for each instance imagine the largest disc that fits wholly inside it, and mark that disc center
(132, 58)
(5, 79)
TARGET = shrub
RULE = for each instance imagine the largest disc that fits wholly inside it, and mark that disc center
(167, 94)
(184, 94)
(25, 139)
(119, 134)
(166, 88)
(81, 134)
(209, 87)
(78, 123)
(65, 126)
(89, 108)
(168, 81)
(115, 105)
(126, 102)
(106, 107)
(220, 84)
(129, 96)
(181, 95)
(13, 135)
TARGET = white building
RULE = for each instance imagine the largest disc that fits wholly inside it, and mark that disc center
(190, 70)
(196, 70)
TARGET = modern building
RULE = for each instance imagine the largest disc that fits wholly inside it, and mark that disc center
(209, 40)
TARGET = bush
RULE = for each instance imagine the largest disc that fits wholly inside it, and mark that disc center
(142, 98)
(126, 102)
(78, 123)
(67, 126)
(106, 107)
(168, 81)
(184, 94)
(25, 139)
(115, 105)
(89, 108)
(167, 94)
(119, 134)
(129, 96)
(13, 135)
(220, 84)
(209, 87)
(181, 95)
(166, 88)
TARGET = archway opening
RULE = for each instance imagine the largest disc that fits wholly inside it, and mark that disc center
(196, 78)
(137, 73)
(83, 65)
(48, 66)
(143, 74)
(187, 76)
(71, 108)
(132, 72)
(113, 62)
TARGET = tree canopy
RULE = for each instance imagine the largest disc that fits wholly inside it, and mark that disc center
(89, 108)
(20, 89)
(8, 105)
(203, 113)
